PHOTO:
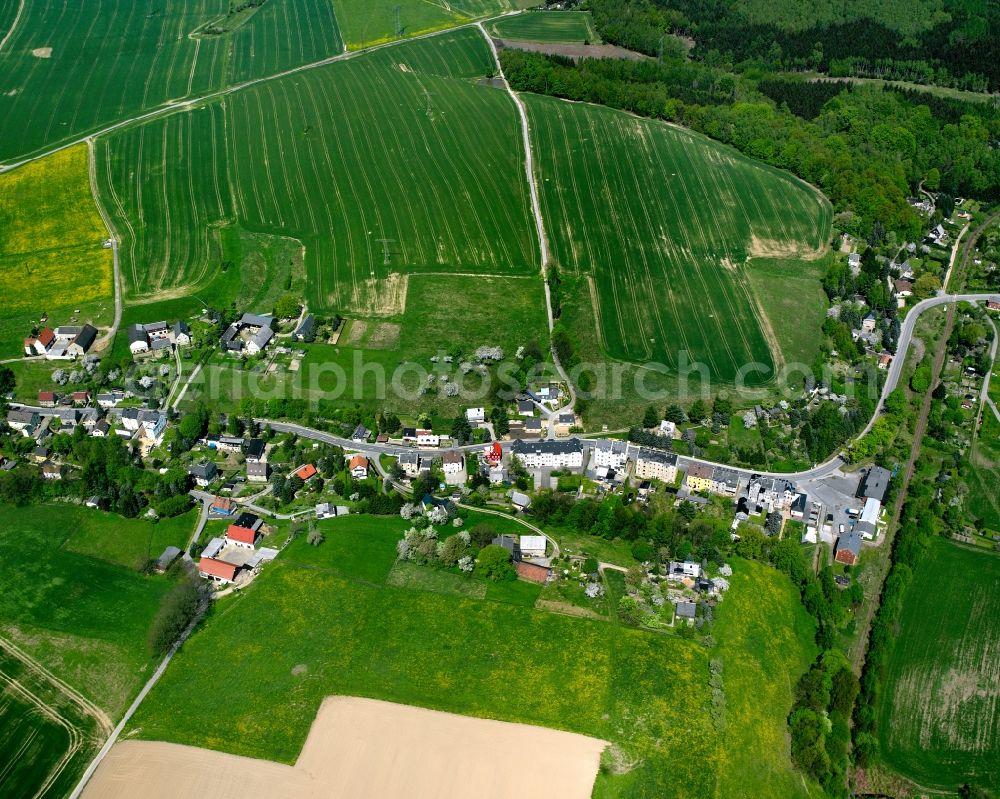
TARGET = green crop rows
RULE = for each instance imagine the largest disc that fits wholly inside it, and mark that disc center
(661, 222)
(72, 67)
(401, 145)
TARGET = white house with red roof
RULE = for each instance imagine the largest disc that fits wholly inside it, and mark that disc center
(241, 536)
(217, 570)
(359, 467)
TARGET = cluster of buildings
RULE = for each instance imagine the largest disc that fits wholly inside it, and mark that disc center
(873, 489)
(158, 337)
(61, 344)
(225, 560)
(251, 334)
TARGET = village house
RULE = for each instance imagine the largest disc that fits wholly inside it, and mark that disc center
(525, 407)
(769, 493)
(453, 466)
(868, 323)
(305, 472)
(305, 329)
(565, 423)
(700, 477)
(47, 399)
(80, 397)
(51, 471)
(797, 510)
(361, 434)
(903, 288)
(110, 399)
(549, 454)
(411, 464)
(655, 464)
(203, 473)
(510, 543)
(533, 428)
(101, 429)
(680, 570)
(610, 454)
(848, 548)
(40, 344)
(359, 467)
(223, 506)
(667, 429)
(217, 570)
(256, 460)
(533, 546)
(258, 332)
(519, 500)
(26, 422)
(475, 416)
(854, 263)
(427, 438)
(244, 532)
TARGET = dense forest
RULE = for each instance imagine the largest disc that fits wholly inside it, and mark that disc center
(957, 46)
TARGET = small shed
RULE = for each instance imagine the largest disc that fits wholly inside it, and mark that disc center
(170, 554)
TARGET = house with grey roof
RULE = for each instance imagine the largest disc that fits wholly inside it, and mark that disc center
(549, 454)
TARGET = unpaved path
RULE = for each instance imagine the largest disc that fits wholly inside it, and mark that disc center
(108, 337)
(364, 747)
(13, 25)
(536, 211)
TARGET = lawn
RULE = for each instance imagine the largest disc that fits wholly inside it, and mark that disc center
(69, 70)
(572, 27)
(369, 22)
(938, 720)
(336, 629)
(660, 227)
(388, 165)
(128, 542)
(765, 643)
(83, 616)
(51, 254)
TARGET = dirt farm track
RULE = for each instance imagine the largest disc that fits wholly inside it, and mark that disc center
(363, 747)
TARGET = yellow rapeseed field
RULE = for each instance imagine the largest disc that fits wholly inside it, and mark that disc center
(51, 237)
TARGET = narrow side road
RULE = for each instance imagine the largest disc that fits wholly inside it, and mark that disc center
(860, 647)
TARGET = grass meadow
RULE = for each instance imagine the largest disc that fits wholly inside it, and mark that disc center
(400, 145)
(69, 69)
(572, 27)
(51, 254)
(346, 620)
(939, 723)
(70, 601)
(662, 225)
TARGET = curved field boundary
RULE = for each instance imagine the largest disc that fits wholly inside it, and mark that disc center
(13, 25)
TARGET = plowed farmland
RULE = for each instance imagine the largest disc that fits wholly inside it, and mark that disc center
(383, 165)
(662, 224)
(939, 720)
(69, 68)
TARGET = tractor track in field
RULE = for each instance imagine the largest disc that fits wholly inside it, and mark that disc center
(13, 25)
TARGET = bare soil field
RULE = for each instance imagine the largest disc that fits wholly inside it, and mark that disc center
(572, 50)
(365, 747)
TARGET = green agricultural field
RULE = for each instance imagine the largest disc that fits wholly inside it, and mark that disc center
(762, 655)
(354, 626)
(81, 615)
(365, 23)
(327, 158)
(938, 719)
(46, 736)
(52, 258)
(660, 225)
(69, 69)
(572, 27)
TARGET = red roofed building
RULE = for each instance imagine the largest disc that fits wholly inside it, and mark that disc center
(359, 467)
(46, 398)
(217, 570)
(81, 396)
(495, 453)
(222, 506)
(306, 472)
(241, 536)
(531, 572)
(46, 337)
